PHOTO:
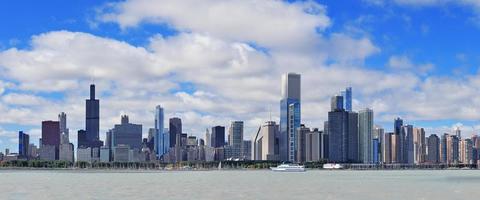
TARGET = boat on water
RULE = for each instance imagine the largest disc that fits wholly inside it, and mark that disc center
(288, 168)
(332, 166)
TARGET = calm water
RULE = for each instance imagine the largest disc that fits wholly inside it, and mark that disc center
(214, 185)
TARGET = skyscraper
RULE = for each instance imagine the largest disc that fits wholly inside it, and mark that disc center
(419, 145)
(398, 142)
(264, 142)
(218, 136)
(127, 133)
(208, 140)
(408, 147)
(161, 138)
(466, 151)
(175, 128)
(365, 127)
(291, 96)
(235, 138)
(51, 137)
(379, 133)
(92, 121)
(336, 103)
(458, 133)
(62, 118)
(433, 153)
(302, 132)
(337, 135)
(348, 99)
(443, 148)
(387, 148)
(343, 137)
(352, 131)
(23, 144)
(452, 149)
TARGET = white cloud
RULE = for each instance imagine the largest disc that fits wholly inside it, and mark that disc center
(404, 63)
(231, 80)
(268, 23)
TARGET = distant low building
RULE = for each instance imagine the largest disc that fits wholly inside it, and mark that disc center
(47, 152)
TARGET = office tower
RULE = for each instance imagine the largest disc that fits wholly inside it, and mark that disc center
(387, 148)
(62, 118)
(159, 145)
(192, 141)
(51, 137)
(247, 150)
(336, 103)
(433, 149)
(218, 136)
(378, 133)
(293, 113)
(105, 154)
(82, 139)
(376, 149)
(175, 128)
(395, 143)
(183, 139)
(291, 97)
(338, 136)
(208, 139)
(127, 134)
(353, 155)
(443, 148)
(365, 128)
(399, 142)
(452, 149)
(302, 132)
(466, 151)
(92, 121)
(65, 151)
(326, 141)
(342, 135)
(458, 133)
(408, 150)
(419, 145)
(314, 142)
(348, 99)
(264, 142)
(235, 138)
(23, 144)
(150, 141)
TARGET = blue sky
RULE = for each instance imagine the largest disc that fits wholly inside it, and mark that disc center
(217, 62)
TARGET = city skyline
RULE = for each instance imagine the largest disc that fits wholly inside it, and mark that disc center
(417, 86)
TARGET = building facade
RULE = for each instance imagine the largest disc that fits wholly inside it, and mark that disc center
(289, 107)
(365, 128)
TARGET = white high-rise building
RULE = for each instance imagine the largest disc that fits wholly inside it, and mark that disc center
(263, 146)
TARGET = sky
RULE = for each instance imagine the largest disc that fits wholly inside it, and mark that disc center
(211, 62)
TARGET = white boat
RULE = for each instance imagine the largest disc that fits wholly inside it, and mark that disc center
(288, 168)
(332, 166)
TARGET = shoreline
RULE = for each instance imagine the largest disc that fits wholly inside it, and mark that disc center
(212, 170)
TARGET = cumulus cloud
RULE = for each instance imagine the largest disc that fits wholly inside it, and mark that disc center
(230, 79)
(404, 63)
(268, 23)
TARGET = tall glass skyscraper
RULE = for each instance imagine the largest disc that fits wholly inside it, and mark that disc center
(23, 144)
(348, 99)
(162, 141)
(92, 122)
(365, 127)
(290, 116)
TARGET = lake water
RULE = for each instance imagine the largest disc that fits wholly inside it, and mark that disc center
(213, 185)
